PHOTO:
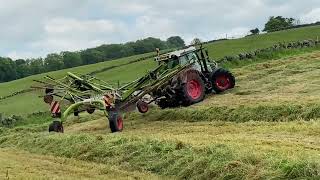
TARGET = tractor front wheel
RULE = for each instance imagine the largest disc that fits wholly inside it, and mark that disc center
(222, 80)
(115, 121)
(56, 126)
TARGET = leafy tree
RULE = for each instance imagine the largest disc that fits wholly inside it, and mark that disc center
(196, 41)
(7, 70)
(53, 62)
(111, 51)
(255, 31)
(278, 23)
(71, 59)
(91, 56)
(36, 66)
(22, 68)
(175, 42)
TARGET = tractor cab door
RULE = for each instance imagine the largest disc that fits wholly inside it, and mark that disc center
(189, 58)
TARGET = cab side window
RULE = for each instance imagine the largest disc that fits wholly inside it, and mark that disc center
(183, 60)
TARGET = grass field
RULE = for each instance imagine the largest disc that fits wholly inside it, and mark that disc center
(266, 128)
(233, 47)
(126, 73)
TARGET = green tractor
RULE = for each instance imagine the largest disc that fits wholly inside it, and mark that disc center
(191, 85)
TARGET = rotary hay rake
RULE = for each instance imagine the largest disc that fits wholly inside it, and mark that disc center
(87, 93)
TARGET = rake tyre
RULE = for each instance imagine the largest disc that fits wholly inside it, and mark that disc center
(115, 121)
(143, 107)
(56, 126)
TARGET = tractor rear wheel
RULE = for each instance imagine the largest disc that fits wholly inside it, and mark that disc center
(115, 121)
(222, 80)
(56, 126)
(194, 89)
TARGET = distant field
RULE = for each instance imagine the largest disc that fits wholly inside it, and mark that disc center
(233, 47)
(14, 86)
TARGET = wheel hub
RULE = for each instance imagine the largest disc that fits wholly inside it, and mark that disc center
(223, 82)
(194, 89)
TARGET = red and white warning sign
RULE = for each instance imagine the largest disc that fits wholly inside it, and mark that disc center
(55, 107)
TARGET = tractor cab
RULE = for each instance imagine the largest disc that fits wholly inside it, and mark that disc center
(199, 57)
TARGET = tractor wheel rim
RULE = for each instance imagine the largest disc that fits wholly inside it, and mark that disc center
(144, 108)
(223, 82)
(194, 89)
(120, 123)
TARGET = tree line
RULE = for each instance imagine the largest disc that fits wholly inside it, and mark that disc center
(20, 68)
(279, 23)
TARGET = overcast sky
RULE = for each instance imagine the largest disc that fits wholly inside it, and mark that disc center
(33, 28)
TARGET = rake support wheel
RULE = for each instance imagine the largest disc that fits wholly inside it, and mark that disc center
(56, 126)
(115, 121)
(143, 107)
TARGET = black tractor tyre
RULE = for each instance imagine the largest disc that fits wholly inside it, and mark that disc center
(91, 110)
(56, 126)
(193, 90)
(222, 80)
(115, 121)
(143, 107)
(76, 113)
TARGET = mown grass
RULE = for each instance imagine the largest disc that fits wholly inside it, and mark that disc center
(168, 158)
(23, 165)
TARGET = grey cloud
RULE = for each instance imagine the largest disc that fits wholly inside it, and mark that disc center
(37, 27)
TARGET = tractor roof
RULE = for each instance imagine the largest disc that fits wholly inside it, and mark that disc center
(175, 53)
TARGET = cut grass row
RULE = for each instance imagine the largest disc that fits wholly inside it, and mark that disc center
(158, 154)
(24, 165)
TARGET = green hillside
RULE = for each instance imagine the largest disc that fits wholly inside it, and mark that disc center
(266, 128)
(126, 73)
